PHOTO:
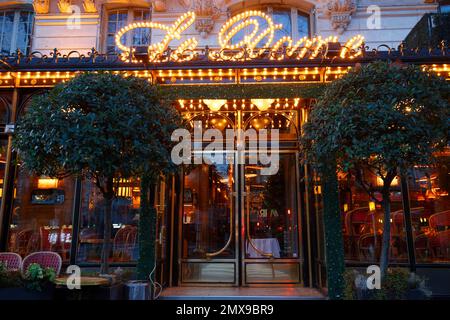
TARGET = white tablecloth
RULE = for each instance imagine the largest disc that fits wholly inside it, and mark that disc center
(267, 245)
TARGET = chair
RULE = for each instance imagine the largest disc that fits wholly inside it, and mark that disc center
(422, 247)
(440, 221)
(46, 259)
(354, 226)
(21, 241)
(122, 240)
(11, 260)
(369, 247)
(441, 244)
(131, 241)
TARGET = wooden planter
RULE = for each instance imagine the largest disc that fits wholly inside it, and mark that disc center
(21, 293)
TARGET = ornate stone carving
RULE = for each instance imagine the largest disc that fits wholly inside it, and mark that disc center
(89, 6)
(340, 12)
(41, 6)
(160, 5)
(64, 6)
(207, 13)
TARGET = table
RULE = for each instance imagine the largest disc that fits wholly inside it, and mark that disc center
(266, 245)
(84, 281)
(91, 288)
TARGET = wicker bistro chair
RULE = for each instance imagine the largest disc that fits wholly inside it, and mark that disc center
(45, 259)
(11, 260)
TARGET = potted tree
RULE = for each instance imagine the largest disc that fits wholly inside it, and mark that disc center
(382, 117)
(102, 126)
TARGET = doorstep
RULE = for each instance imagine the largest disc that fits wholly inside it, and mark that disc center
(241, 293)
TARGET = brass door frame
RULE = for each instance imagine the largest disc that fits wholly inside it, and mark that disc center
(244, 261)
(235, 238)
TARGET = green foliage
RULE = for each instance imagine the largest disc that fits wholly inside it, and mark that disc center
(101, 126)
(349, 289)
(97, 125)
(9, 279)
(37, 277)
(394, 286)
(382, 115)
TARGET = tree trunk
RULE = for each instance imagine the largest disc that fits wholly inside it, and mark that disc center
(385, 247)
(334, 243)
(107, 221)
(147, 229)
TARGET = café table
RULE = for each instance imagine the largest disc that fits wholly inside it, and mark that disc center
(266, 245)
(88, 286)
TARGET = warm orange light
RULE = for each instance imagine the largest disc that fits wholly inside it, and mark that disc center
(47, 183)
(372, 206)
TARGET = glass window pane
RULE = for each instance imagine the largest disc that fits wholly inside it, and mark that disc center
(302, 26)
(283, 18)
(7, 30)
(125, 218)
(42, 215)
(116, 20)
(271, 210)
(207, 211)
(429, 188)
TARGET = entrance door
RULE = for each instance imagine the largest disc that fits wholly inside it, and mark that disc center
(239, 226)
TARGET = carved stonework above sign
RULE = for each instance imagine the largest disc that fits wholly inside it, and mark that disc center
(64, 6)
(340, 13)
(160, 5)
(207, 13)
(41, 6)
(89, 6)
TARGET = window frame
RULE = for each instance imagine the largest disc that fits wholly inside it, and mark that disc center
(294, 14)
(130, 19)
(15, 29)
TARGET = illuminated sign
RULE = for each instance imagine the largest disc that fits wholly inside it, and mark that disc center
(257, 43)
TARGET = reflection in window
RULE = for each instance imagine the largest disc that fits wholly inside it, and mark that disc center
(125, 218)
(15, 31)
(208, 208)
(42, 214)
(302, 26)
(429, 188)
(271, 211)
(282, 17)
(117, 19)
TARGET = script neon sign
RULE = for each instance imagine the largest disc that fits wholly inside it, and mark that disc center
(258, 41)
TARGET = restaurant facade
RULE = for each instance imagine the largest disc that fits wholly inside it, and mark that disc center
(241, 65)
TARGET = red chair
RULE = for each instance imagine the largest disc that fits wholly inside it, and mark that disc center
(422, 247)
(369, 246)
(11, 260)
(440, 221)
(354, 222)
(440, 244)
(46, 259)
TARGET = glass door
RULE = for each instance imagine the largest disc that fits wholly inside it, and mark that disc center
(208, 227)
(238, 225)
(270, 222)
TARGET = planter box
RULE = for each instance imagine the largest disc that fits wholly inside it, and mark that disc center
(114, 292)
(20, 293)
